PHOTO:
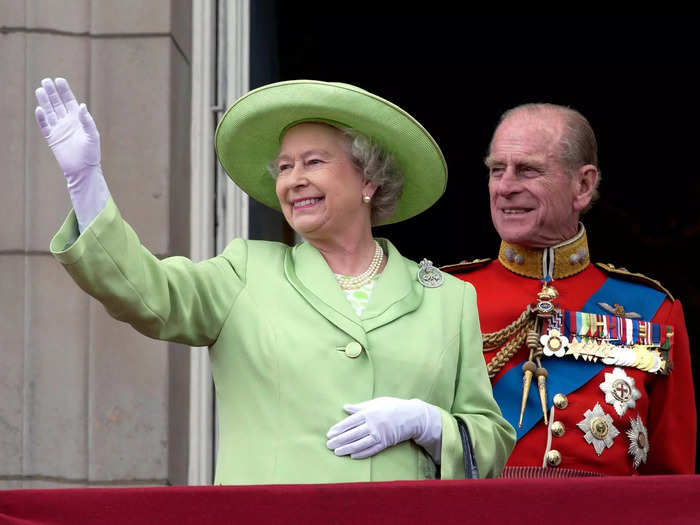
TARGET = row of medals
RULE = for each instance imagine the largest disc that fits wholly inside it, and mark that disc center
(643, 357)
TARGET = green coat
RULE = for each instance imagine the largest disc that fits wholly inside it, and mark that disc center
(277, 325)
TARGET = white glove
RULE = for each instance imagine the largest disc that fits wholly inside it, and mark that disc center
(74, 140)
(383, 422)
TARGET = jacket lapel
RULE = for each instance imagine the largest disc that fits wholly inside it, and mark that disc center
(310, 275)
(396, 293)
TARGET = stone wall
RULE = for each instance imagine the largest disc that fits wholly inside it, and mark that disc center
(84, 399)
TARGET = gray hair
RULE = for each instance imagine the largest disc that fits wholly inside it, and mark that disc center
(377, 166)
(577, 144)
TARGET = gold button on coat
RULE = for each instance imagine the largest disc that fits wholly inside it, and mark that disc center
(560, 401)
(558, 429)
(553, 458)
(353, 349)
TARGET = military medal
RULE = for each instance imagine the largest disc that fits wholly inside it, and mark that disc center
(617, 341)
(554, 343)
(620, 391)
(639, 441)
(658, 362)
(428, 275)
(598, 429)
(545, 301)
(574, 348)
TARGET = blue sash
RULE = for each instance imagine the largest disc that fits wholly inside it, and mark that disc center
(566, 375)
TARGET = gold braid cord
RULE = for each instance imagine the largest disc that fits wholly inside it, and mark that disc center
(516, 332)
(496, 339)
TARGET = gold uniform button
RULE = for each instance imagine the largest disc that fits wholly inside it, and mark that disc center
(560, 401)
(353, 349)
(558, 429)
(553, 458)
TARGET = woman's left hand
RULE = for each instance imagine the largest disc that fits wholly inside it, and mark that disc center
(383, 422)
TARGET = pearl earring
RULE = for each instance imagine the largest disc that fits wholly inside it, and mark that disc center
(366, 198)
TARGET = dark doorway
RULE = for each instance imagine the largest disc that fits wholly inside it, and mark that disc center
(632, 77)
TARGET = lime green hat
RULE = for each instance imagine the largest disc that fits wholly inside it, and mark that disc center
(248, 137)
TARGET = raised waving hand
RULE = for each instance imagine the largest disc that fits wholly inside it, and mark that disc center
(71, 134)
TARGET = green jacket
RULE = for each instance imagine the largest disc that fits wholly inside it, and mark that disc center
(277, 325)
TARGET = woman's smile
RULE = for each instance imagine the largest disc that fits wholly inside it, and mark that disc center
(306, 203)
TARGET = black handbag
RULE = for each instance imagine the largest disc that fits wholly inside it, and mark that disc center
(471, 470)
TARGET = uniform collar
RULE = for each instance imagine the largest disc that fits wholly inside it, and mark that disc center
(556, 262)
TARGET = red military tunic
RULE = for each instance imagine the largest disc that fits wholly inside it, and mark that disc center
(656, 431)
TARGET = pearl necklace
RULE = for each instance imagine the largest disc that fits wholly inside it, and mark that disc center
(358, 281)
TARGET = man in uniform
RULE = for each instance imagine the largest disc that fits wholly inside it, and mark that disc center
(588, 362)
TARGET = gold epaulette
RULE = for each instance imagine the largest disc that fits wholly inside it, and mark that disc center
(624, 273)
(464, 266)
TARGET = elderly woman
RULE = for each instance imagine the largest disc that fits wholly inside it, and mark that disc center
(333, 360)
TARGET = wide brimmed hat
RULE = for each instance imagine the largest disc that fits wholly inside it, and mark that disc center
(248, 137)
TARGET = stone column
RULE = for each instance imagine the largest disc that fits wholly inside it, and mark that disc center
(84, 399)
